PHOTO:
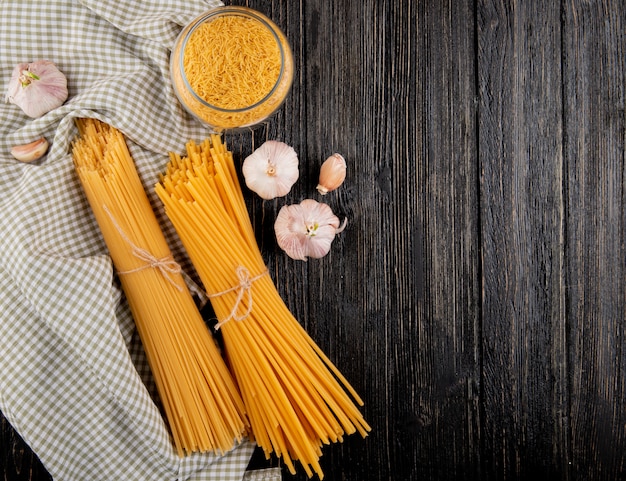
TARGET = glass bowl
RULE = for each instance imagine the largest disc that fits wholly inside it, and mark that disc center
(231, 68)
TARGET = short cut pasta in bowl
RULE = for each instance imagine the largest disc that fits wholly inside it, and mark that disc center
(231, 68)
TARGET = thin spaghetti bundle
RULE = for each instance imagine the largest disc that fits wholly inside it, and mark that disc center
(200, 398)
(296, 399)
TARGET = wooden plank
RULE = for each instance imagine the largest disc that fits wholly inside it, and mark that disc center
(17, 461)
(594, 60)
(445, 238)
(391, 86)
(524, 384)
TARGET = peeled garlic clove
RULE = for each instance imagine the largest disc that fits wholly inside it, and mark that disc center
(271, 170)
(30, 152)
(306, 229)
(37, 87)
(332, 174)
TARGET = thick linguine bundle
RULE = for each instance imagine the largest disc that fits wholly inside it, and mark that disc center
(293, 398)
(202, 404)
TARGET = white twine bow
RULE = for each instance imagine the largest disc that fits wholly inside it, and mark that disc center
(166, 265)
(243, 288)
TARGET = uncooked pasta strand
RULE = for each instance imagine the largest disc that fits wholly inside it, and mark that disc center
(202, 404)
(295, 397)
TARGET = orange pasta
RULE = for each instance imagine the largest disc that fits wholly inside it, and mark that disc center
(202, 404)
(232, 62)
(296, 399)
(231, 67)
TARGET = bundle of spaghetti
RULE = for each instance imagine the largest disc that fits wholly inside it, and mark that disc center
(200, 398)
(296, 399)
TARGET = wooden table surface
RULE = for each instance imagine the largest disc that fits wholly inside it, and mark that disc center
(477, 298)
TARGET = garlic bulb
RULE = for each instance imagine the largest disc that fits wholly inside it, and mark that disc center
(306, 229)
(30, 152)
(271, 170)
(332, 174)
(37, 88)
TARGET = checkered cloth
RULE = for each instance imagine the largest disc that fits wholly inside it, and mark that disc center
(74, 381)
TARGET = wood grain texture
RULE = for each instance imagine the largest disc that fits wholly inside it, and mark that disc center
(17, 461)
(594, 59)
(477, 298)
(524, 379)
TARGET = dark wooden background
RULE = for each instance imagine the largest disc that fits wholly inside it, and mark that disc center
(477, 299)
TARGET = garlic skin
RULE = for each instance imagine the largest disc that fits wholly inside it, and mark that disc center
(271, 170)
(37, 87)
(306, 229)
(332, 174)
(30, 152)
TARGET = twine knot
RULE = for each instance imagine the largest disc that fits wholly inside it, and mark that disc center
(166, 265)
(243, 288)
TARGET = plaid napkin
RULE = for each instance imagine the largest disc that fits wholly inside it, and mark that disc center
(74, 380)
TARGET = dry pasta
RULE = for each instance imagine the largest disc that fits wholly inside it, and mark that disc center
(232, 67)
(203, 406)
(232, 62)
(296, 399)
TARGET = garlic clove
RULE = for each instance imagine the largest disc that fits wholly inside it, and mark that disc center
(30, 152)
(37, 87)
(332, 174)
(306, 229)
(271, 170)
